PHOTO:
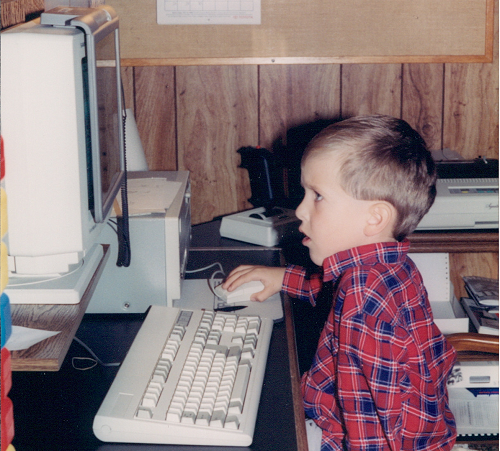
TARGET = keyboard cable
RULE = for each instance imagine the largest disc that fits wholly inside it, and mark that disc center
(92, 361)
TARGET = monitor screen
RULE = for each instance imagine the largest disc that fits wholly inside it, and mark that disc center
(110, 127)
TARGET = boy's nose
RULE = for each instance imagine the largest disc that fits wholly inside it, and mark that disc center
(300, 211)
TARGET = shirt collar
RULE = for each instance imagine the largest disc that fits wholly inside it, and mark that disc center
(369, 254)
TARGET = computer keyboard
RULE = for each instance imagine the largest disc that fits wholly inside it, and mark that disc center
(191, 377)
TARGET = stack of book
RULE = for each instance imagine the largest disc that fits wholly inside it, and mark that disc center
(482, 304)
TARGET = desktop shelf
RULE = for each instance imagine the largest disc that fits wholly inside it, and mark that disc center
(49, 354)
(455, 242)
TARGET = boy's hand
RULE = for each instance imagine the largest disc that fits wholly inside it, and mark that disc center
(271, 277)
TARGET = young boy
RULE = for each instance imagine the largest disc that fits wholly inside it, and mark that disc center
(378, 379)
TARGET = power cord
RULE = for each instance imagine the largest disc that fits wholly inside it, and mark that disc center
(93, 361)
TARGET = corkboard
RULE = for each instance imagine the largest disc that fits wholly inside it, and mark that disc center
(316, 31)
(13, 12)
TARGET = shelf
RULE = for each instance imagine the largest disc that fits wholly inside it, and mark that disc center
(454, 242)
(49, 354)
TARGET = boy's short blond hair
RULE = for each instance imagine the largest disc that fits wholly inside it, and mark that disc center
(382, 158)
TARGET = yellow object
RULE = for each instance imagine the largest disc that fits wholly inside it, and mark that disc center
(3, 212)
(4, 271)
(10, 448)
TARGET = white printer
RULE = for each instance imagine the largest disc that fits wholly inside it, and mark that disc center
(473, 397)
(467, 196)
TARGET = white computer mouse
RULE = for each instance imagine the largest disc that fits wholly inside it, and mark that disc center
(240, 294)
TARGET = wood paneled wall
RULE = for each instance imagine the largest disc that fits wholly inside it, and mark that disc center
(197, 117)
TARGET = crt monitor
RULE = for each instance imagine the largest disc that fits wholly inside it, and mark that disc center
(62, 127)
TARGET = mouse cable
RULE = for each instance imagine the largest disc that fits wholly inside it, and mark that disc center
(210, 280)
(220, 271)
(96, 360)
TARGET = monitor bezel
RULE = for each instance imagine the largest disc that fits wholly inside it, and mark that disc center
(95, 33)
(97, 24)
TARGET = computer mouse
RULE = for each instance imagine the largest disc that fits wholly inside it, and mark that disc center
(240, 294)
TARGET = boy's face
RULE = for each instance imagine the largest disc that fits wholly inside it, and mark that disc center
(332, 220)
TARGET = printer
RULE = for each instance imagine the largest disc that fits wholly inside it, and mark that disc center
(473, 397)
(467, 196)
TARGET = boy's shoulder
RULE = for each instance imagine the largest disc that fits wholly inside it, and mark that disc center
(382, 288)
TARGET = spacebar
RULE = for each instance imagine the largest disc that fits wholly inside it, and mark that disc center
(239, 389)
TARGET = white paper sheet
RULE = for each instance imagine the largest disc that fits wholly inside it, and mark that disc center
(24, 337)
(149, 195)
(208, 12)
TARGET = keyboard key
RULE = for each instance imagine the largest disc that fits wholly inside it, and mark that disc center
(144, 413)
(203, 418)
(148, 403)
(188, 417)
(218, 418)
(239, 389)
(232, 422)
(174, 414)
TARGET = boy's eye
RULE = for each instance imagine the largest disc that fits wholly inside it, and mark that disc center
(318, 196)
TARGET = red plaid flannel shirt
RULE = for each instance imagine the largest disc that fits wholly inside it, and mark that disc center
(378, 379)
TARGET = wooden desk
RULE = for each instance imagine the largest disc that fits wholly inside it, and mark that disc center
(454, 242)
(49, 354)
(295, 375)
(205, 252)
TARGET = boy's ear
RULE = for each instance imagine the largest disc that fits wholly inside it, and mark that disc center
(381, 216)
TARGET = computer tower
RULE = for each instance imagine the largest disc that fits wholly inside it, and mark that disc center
(160, 234)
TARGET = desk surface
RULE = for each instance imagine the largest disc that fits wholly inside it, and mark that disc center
(55, 410)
